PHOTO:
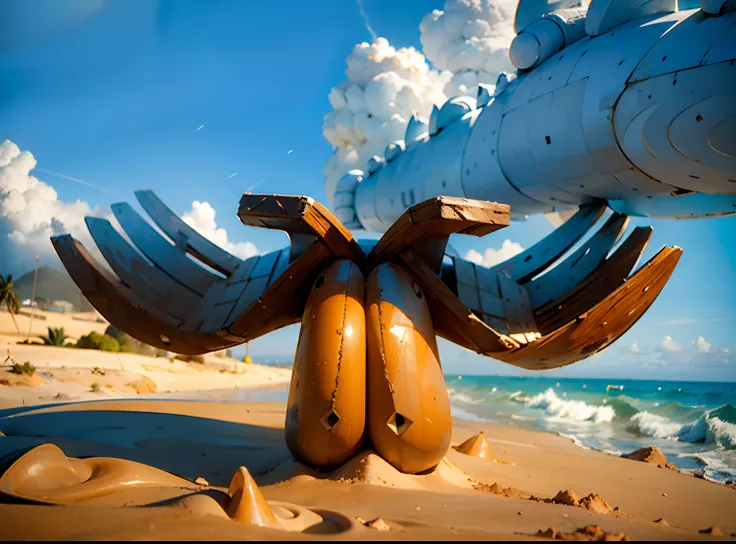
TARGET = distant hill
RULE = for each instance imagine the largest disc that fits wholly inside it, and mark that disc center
(51, 284)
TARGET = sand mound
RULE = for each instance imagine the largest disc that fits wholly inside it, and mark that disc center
(476, 446)
(589, 532)
(369, 468)
(510, 492)
(592, 502)
(713, 531)
(24, 380)
(144, 386)
(650, 454)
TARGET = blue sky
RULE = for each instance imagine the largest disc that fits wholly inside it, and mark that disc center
(113, 92)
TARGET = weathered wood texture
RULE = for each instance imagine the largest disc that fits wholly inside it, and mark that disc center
(185, 236)
(426, 227)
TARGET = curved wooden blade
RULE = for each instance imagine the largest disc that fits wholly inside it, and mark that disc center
(165, 256)
(148, 282)
(184, 236)
(426, 227)
(611, 274)
(573, 270)
(124, 309)
(451, 318)
(603, 324)
(300, 216)
(529, 263)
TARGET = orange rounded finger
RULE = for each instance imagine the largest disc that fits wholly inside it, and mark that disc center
(325, 416)
(409, 418)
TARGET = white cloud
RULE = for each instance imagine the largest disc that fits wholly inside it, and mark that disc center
(467, 42)
(492, 257)
(202, 219)
(668, 344)
(702, 346)
(31, 212)
(385, 86)
(471, 39)
(634, 348)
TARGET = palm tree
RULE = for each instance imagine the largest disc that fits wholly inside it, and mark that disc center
(9, 297)
(55, 337)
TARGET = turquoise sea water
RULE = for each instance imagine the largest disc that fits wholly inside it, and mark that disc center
(693, 423)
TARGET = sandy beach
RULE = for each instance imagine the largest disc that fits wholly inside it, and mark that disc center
(150, 453)
(464, 497)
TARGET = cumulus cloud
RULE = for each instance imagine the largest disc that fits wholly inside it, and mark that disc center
(385, 86)
(668, 344)
(202, 219)
(31, 212)
(492, 257)
(700, 352)
(466, 43)
(470, 39)
(702, 345)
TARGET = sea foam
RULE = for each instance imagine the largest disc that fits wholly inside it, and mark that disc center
(708, 428)
(574, 410)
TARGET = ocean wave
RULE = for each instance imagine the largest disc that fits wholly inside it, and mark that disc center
(708, 428)
(574, 410)
(463, 414)
(462, 397)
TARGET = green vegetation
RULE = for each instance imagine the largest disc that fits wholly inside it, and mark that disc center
(55, 337)
(130, 344)
(9, 297)
(95, 387)
(95, 340)
(25, 368)
(98, 370)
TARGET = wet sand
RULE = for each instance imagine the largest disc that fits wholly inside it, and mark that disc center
(184, 441)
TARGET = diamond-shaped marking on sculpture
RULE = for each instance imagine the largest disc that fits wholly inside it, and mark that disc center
(399, 423)
(330, 419)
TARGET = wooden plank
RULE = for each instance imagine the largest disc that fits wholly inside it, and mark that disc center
(176, 229)
(452, 319)
(300, 215)
(160, 252)
(525, 265)
(517, 308)
(282, 302)
(220, 299)
(605, 279)
(124, 309)
(148, 282)
(575, 268)
(437, 218)
(603, 324)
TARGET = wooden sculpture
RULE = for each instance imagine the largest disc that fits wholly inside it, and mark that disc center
(367, 369)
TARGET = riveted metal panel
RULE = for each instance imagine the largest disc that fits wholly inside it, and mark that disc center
(652, 120)
(556, 71)
(690, 206)
(541, 145)
(426, 169)
(365, 203)
(482, 177)
(607, 65)
(528, 11)
(688, 45)
(604, 15)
